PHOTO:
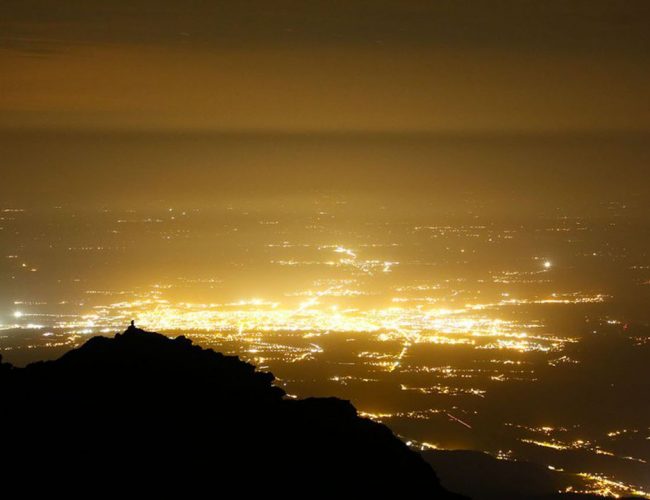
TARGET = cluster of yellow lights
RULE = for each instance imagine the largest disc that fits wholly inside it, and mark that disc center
(347, 258)
(404, 325)
(446, 390)
(598, 484)
(578, 444)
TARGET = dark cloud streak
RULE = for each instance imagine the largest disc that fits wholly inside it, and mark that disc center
(575, 25)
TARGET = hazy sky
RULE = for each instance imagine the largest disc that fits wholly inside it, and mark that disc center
(450, 65)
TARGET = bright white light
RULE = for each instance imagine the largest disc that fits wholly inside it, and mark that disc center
(18, 314)
(548, 264)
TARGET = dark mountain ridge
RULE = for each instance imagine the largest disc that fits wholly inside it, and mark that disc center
(143, 413)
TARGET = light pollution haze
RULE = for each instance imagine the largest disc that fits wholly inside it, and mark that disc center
(163, 100)
(446, 66)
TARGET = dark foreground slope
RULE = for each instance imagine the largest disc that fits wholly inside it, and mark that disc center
(142, 413)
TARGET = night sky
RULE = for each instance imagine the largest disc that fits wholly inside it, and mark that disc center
(337, 66)
(107, 100)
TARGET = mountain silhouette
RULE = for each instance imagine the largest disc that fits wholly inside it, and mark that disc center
(144, 414)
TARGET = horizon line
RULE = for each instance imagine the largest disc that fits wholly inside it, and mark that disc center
(315, 132)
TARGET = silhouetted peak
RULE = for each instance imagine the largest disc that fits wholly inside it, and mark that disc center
(132, 329)
(149, 402)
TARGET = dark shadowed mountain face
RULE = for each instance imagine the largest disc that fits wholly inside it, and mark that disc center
(143, 413)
